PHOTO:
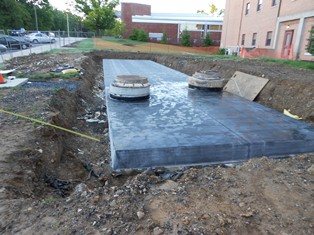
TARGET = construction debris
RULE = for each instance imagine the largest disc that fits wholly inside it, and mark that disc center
(245, 85)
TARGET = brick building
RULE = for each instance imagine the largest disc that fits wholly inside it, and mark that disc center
(275, 28)
(139, 16)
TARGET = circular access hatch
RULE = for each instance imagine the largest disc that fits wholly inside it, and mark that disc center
(130, 87)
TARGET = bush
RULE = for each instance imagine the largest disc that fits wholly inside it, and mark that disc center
(164, 38)
(310, 47)
(142, 36)
(134, 34)
(222, 51)
(185, 39)
(207, 41)
(139, 35)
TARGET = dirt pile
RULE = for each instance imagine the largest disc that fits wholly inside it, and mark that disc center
(54, 182)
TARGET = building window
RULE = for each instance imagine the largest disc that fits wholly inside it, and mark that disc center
(254, 39)
(274, 2)
(268, 38)
(259, 5)
(247, 9)
(243, 39)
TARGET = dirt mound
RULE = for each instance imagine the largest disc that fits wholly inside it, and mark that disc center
(58, 182)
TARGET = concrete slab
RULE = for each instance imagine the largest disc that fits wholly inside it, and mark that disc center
(182, 126)
(245, 85)
(13, 83)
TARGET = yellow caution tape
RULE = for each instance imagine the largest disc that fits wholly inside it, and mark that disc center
(49, 124)
(286, 112)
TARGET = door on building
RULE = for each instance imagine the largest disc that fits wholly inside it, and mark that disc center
(287, 45)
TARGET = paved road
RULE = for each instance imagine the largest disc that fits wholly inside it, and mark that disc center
(38, 48)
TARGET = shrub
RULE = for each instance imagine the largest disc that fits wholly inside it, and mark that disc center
(222, 51)
(164, 38)
(207, 41)
(142, 36)
(185, 39)
(134, 34)
(310, 47)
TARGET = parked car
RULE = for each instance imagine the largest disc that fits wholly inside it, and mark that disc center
(39, 38)
(14, 43)
(3, 48)
(18, 32)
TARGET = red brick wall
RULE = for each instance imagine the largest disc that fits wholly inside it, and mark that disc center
(170, 29)
(130, 9)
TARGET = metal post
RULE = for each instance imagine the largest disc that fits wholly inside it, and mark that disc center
(36, 20)
(68, 26)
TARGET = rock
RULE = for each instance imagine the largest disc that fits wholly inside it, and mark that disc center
(241, 204)
(186, 221)
(119, 192)
(311, 170)
(113, 203)
(92, 120)
(247, 215)
(140, 214)
(81, 188)
(158, 231)
(169, 185)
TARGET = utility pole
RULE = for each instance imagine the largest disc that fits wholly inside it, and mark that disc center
(36, 21)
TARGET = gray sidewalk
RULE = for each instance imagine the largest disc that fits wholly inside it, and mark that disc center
(61, 42)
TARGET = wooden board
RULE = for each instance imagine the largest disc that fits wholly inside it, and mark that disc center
(245, 85)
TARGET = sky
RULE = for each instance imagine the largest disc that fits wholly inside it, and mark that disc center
(163, 6)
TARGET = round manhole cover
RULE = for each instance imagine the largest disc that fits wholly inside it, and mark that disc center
(130, 87)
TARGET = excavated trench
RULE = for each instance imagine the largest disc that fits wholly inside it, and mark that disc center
(70, 159)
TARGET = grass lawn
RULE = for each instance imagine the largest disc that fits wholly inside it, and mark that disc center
(291, 63)
(123, 41)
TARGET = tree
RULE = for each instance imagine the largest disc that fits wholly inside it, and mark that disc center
(99, 14)
(310, 47)
(207, 40)
(118, 30)
(164, 38)
(185, 38)
(212, 10)
(20, 18)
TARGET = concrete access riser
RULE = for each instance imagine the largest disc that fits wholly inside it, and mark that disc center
(181, 126)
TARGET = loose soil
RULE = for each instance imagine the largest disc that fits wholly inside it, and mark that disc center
(54, 182)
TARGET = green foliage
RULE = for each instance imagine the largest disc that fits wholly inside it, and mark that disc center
(142, 36)
(207, 40)
(310, 47)
(291, 63)
(52, 75)
(164, 38)
(134, 34)
(139, 35)
(123, 41)
(185, 38)
(222, 51)
(21, 14)
(99, 14)
(118, 30)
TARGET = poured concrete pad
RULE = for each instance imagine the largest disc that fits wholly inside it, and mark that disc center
(245, 85)
(14, 83)
(181, 126)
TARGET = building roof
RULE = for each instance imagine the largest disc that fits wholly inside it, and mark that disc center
(178, 18)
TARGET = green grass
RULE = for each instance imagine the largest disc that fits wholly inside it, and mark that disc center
(52, 75)
(291, 63)
(123, 41)
(86, 43)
